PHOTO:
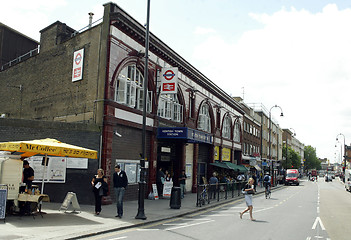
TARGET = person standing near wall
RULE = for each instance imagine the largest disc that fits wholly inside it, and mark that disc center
(182, 179)
(120, 183)
(160, 177)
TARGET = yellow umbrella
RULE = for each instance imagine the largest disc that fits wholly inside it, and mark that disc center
(47, 147)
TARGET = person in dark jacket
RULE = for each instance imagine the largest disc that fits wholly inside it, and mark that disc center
(120, 183)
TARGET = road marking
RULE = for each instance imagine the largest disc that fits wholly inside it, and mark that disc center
(174, 224)
(118, 238)
(318, 210)
(308, 238)
(189, 225)
(148, 229)
(316, 222)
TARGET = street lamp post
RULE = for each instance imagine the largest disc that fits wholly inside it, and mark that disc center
(344, 151)
(141, 210)
(270, 142)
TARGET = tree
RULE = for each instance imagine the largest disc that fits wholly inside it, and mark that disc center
(293, 160)
(311, 160)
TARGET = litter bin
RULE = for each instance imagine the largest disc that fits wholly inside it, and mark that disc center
(175, 198)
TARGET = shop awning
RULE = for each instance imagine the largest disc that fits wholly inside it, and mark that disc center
(229, 165)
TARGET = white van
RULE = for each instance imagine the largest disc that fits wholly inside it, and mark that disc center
(348, 179)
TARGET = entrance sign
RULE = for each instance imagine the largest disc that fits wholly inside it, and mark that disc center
(167, 189)
(169, 80)
(154, 189)
(77, 71)
(71, 197)
(191, 135)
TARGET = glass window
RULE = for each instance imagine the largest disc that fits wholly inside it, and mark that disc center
(170, 108)
(226, 127)
(204, 122)
(236, 132)
(130, 89)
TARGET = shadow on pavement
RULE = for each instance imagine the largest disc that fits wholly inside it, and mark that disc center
(49, 220)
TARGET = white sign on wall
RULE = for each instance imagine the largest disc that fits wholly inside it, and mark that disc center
(77, 71)
(55, 171)
(169, 80)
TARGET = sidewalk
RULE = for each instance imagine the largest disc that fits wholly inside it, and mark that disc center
(57, 224)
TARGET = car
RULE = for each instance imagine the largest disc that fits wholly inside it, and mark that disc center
(328, 178)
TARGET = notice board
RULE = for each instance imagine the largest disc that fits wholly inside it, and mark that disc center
(3, 199)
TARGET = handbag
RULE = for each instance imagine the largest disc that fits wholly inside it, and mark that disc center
(104, 188)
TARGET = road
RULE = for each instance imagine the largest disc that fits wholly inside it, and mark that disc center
(313, 210)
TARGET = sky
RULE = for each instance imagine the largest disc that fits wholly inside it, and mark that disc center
(292, 53)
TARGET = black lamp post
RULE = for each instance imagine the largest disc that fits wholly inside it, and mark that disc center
(270, 142)
(142, 183)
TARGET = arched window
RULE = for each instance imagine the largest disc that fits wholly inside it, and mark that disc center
(130, 89)
(227, 124)
(170, 108)
(204, 122)
(237, 131)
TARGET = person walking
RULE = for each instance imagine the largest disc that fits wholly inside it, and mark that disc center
(182, 179)
(249, 191)
(120, 183)
(97, 182)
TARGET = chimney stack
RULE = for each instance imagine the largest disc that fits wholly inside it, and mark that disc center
(90, 19)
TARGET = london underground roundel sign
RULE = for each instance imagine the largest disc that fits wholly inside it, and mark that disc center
(169, 80)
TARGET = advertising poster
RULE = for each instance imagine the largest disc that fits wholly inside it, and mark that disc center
(55, 171)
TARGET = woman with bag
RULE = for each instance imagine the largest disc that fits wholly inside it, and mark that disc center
(248, 192)
(99, 183)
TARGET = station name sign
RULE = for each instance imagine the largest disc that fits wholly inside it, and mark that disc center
(188, 134)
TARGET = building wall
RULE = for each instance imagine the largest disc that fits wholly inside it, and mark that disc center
(13, 45)
(83, 135)
(48, 92)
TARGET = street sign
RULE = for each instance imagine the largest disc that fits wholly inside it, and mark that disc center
(77, 71)
(169, 80)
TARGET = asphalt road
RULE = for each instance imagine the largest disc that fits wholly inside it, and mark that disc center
(313, 210)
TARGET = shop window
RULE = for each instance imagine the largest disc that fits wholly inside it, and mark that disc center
(226, 127)
(132, 169)
(237, 132)
(130, 89)
(204, 122)
(170, 108)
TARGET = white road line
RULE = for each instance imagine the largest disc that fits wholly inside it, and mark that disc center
(316, 222)
(174, 224)
(118, 238)
(197, 219)
(150, 229)
(308, 238)
(221, 215)
(189, 225)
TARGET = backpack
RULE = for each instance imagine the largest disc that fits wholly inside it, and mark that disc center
(266, 178)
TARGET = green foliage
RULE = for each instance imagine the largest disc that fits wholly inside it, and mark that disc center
(311, 160)
(293, 160)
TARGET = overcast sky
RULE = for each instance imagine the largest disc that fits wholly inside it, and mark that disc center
(293, 53)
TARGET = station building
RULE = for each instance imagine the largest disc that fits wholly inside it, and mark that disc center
(95, 78)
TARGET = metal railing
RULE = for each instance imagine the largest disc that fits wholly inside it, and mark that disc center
(207, 193)
(19, 59)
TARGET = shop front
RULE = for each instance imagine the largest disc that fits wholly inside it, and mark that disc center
(182, 148)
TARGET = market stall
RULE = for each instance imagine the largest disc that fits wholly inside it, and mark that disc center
(11, 165)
